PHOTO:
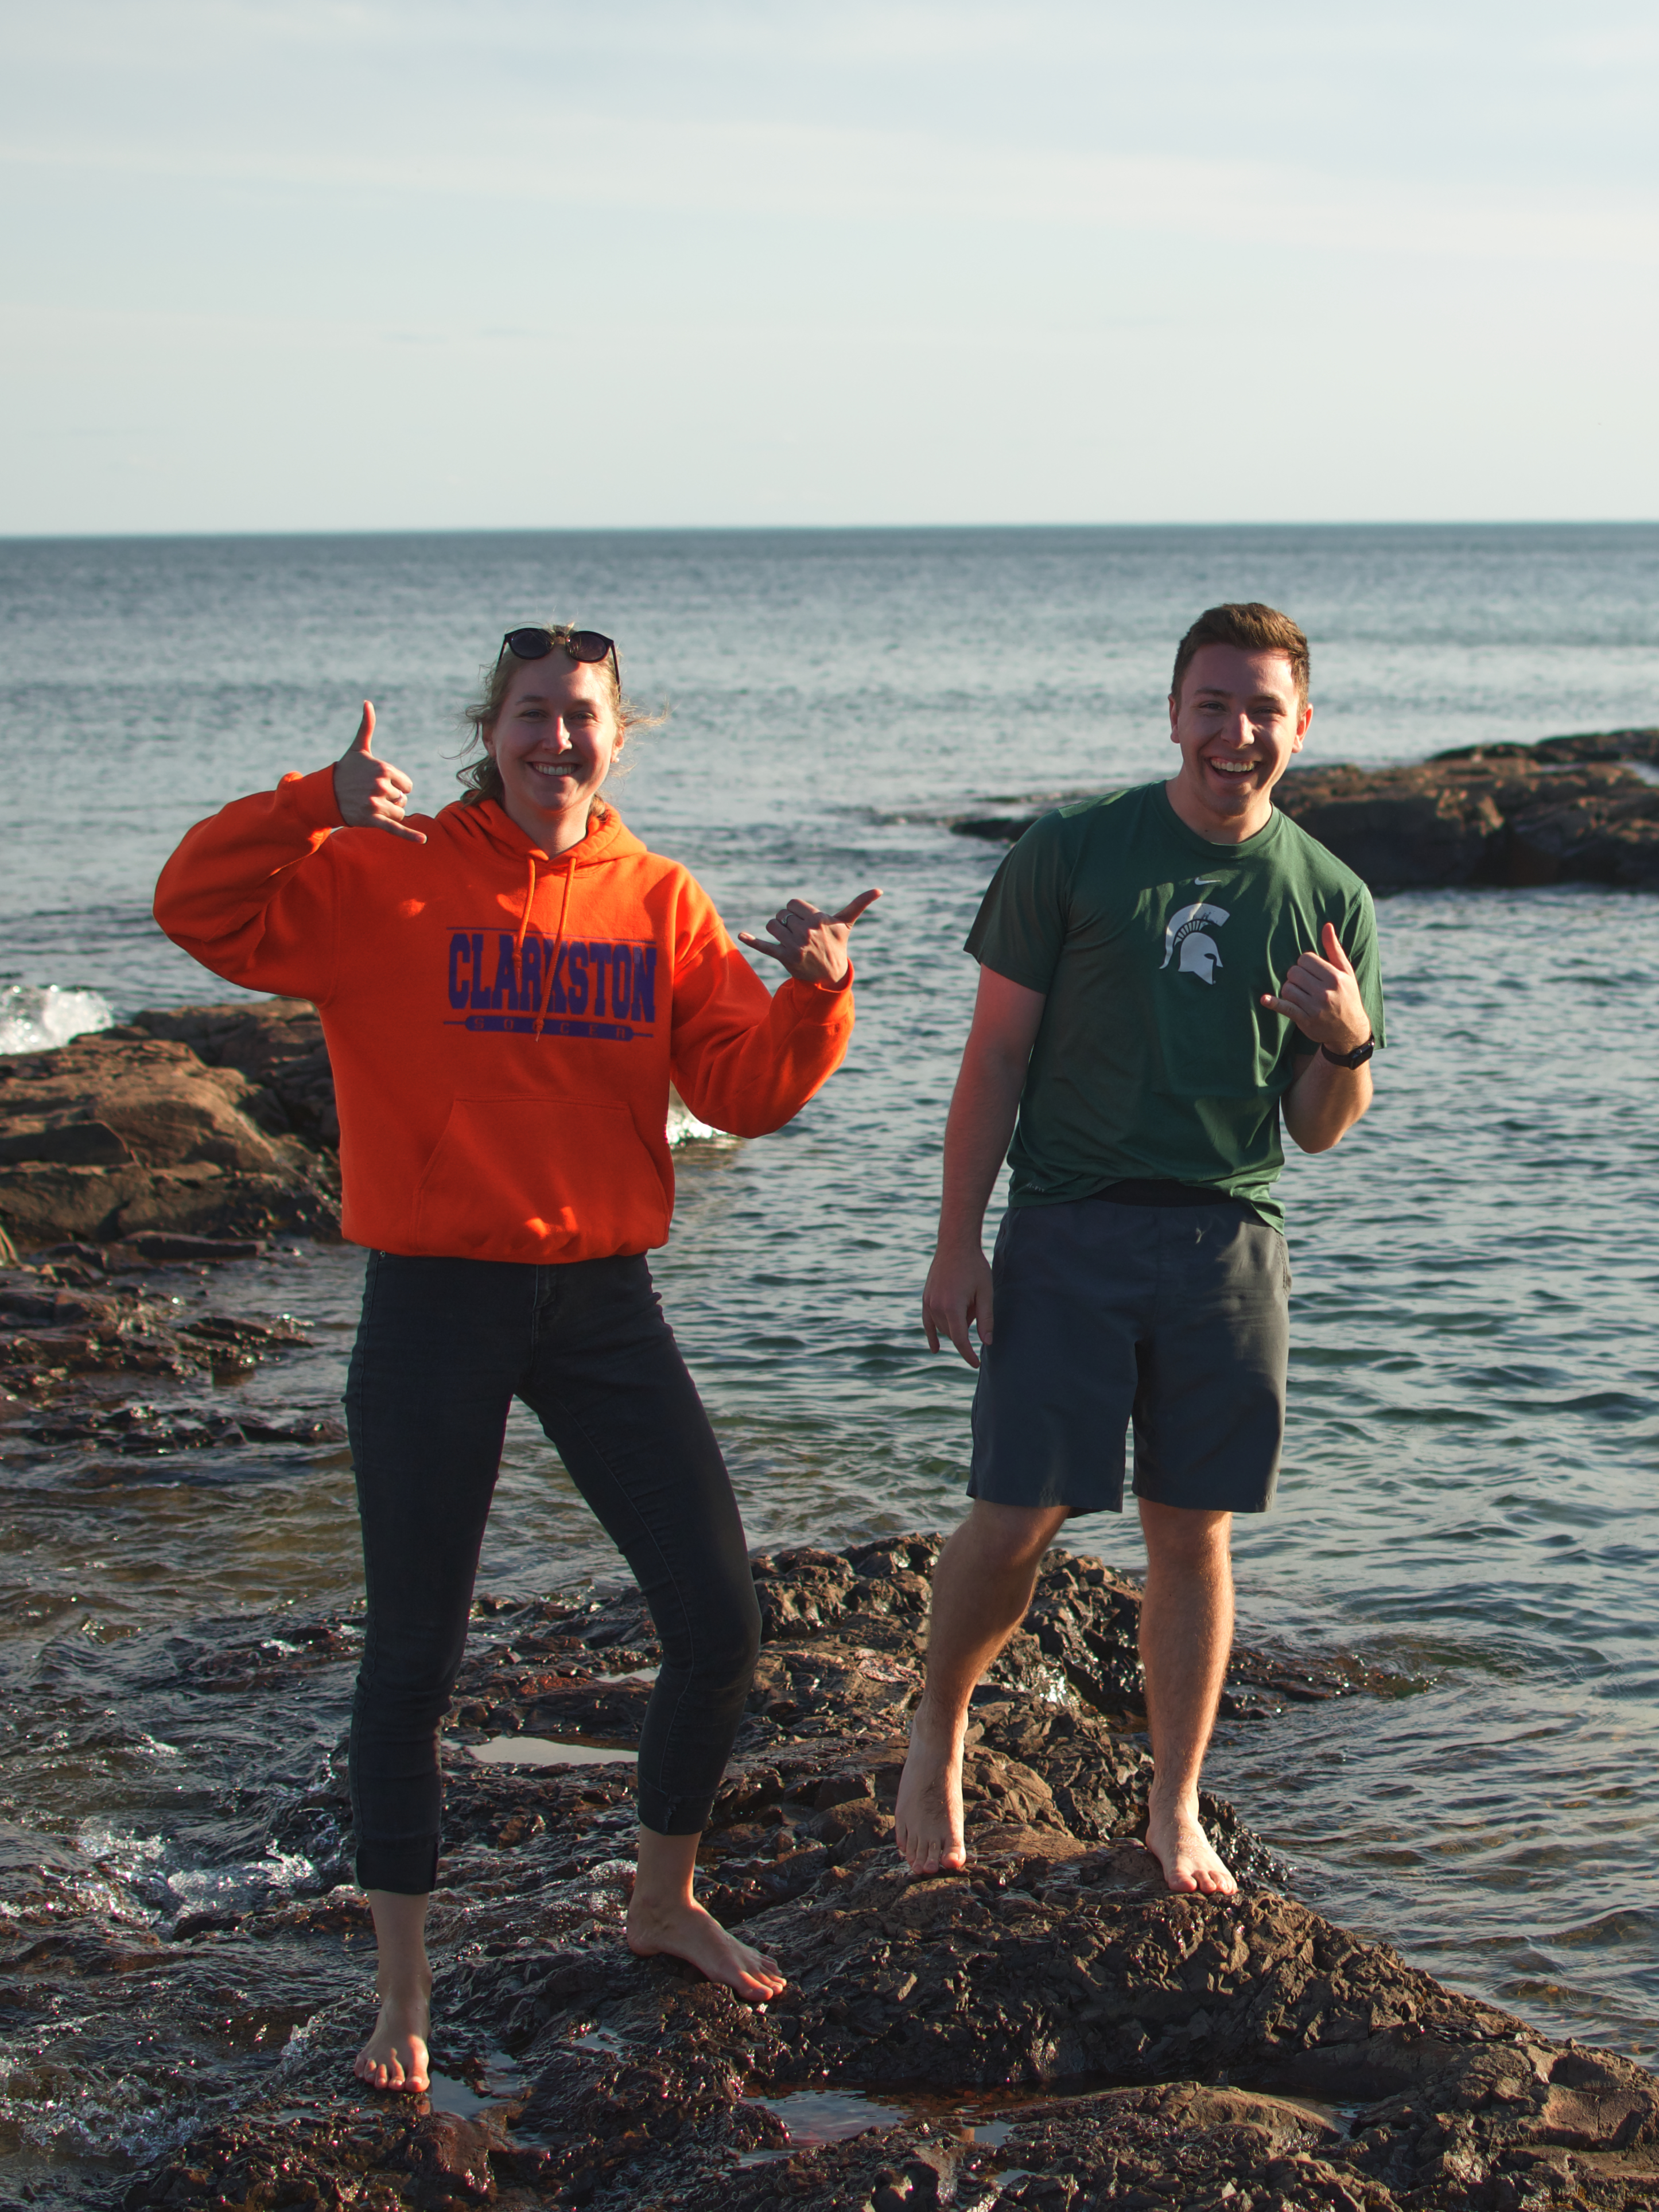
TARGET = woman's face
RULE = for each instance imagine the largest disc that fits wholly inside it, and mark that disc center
(554, 741)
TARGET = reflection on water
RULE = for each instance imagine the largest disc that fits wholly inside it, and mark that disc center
(545, 1750)
(826, 2116)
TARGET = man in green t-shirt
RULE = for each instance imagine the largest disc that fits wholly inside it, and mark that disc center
(1164, 975)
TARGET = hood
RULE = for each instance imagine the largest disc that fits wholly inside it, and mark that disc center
(609, 837)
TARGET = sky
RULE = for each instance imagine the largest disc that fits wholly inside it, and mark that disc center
(391, 265)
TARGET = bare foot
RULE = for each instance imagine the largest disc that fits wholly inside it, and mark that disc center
(395, 2056)
(1175, 1837)
(928, 1824)
(684, 1930)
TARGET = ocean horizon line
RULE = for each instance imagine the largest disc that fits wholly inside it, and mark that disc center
(1427, 526)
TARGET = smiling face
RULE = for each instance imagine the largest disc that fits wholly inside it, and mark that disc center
(554, 741)
(1238, 721)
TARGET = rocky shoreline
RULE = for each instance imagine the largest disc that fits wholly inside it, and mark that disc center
(1051, 2030)
(1565, 810)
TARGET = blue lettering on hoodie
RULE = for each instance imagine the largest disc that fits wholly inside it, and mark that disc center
(644, 1005)
(530, 974)
(554, 958)
(507, 978)
(481, 996)
(613, 982)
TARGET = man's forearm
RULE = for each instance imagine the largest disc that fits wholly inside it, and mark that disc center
(1324, 1102)
(977, 1132)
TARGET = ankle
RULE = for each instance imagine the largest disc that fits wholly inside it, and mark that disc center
(660, 1911)
(408, 1980)
(940, 1721)
(1175, 1802)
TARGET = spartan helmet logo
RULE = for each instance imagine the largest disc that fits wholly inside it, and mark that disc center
(1200, 956)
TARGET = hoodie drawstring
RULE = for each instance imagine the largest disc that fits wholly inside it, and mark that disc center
(558, 935)
(529, 901)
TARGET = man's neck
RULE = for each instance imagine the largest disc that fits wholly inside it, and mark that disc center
(1189, 808)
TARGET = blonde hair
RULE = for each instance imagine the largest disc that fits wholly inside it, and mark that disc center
(482, 777)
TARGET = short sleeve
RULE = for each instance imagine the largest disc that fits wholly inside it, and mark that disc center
(1358, 932)
(1360, 945)
(1020, 929)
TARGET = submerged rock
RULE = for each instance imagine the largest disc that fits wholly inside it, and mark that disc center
(1566, 810)
(84, 1323)
(1053, 2028)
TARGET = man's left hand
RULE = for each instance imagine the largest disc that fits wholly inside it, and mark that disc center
(1322, 997)
(811, 946)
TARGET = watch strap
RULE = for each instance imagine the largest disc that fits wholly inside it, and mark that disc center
(1357, 1058)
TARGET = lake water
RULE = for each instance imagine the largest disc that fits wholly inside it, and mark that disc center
(1469, 1495)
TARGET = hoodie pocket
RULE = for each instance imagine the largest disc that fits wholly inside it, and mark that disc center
(539, 1178)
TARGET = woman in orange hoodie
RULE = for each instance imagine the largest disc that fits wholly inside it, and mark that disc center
(508, 989)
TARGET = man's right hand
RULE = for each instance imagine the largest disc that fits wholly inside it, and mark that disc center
(958, 1291)
(369, 792)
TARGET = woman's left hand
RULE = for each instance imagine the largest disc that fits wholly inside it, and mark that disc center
(811, 946)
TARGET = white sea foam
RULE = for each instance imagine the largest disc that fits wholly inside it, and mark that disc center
(34, 1017)
(247, 1883)
(684, 1128)
(138, 1862)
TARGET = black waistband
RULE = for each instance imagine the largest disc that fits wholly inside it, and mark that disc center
(1152, 1192)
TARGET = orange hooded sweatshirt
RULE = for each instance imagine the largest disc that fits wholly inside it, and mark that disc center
(503, 1027)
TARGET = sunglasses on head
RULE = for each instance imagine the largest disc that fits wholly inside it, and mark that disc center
(579, 644)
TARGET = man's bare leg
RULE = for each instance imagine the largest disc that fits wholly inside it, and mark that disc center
(981, 1587)
(1186, 1635)
(395, 2056)
(663, 1915)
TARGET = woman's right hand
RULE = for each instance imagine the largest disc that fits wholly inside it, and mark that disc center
(370, 793)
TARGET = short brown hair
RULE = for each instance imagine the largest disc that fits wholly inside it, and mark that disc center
(1256, 629)
(483, 777)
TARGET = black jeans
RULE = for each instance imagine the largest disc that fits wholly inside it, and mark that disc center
(444, 1347)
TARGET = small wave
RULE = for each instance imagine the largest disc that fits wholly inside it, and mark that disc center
(242, 1887)
(684, 1128)
(34, 1017)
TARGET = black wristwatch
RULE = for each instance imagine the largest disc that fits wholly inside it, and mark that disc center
(1357, 1058)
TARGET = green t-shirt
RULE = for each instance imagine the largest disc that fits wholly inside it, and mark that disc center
(1155, 1059)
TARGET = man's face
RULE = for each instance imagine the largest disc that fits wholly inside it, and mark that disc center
(1238, 722)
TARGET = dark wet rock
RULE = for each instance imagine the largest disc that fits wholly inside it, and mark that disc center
(277, 1045)
(122, 1134)
(373, 2161)
(1135, 2048)
(76, 1332)
(1566, 810)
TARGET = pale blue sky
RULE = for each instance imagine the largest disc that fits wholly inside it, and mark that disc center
(484, 262)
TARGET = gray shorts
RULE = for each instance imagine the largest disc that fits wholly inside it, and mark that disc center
(1174, 1317)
